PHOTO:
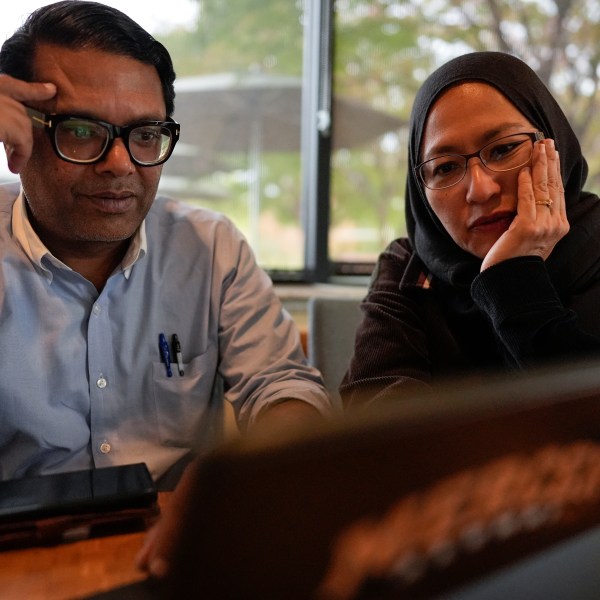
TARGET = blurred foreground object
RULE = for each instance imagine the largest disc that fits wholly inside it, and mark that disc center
(408, 500)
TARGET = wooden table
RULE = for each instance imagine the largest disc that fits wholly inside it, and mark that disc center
(72, 570)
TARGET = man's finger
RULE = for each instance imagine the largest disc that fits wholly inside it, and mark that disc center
(26, 91)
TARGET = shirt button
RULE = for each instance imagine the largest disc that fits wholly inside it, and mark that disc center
(105, 448)
(101, 383)
(96, 310)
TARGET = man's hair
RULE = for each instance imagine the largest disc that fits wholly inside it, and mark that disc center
(79, 25)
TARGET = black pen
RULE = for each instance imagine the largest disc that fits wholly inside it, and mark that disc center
(177, 350)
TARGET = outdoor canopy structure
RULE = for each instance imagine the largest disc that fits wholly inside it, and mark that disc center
(227, 112)
(255, 113)
(251, 114)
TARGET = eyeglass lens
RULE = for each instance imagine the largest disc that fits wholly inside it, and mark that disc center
(504, 154)
(85, 141)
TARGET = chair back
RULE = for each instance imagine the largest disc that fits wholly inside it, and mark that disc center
(332, 323)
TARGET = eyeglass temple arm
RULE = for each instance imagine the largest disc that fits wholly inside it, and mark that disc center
(37, 118)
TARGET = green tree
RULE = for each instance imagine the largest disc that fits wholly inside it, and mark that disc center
(241, 36)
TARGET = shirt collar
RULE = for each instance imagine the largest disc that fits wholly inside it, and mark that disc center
(36, 251)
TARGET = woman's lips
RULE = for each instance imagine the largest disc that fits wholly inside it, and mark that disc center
(495, 221)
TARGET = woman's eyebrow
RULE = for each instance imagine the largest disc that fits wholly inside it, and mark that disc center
(488, 136)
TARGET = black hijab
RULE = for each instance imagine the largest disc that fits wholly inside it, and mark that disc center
(523, 88)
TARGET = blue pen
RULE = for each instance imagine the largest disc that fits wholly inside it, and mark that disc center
(165, 353)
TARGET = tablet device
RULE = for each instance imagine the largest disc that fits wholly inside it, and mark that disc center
(76, 504)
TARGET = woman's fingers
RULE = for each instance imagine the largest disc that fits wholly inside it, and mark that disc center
(541, 219)
(543, 188)
(555, 183)
(540, 176)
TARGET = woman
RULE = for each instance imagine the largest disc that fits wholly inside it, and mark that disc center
(501, 268)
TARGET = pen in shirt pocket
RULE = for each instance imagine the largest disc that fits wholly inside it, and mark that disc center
(177, 352)
(165, 353)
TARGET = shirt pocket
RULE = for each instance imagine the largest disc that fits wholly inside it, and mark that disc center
(183, 402)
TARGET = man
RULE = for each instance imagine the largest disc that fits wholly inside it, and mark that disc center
(97, 275)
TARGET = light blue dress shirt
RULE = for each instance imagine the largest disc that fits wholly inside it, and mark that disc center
(82, 383)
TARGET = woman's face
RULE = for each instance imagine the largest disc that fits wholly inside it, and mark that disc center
(479, 209)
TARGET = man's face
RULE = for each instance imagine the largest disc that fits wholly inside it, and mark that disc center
(76, 206)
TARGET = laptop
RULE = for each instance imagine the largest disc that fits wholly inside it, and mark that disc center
(454, 493)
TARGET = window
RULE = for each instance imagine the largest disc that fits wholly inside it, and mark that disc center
(255, 103)
(256, 79)
(238, 99)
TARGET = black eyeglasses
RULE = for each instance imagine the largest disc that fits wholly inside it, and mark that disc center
(86, 141)
(504, 154)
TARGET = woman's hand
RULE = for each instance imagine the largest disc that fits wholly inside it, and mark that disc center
(541, 219)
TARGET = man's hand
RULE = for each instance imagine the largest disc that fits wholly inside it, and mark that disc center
(15, 124)
(157, 551)
(161, 541)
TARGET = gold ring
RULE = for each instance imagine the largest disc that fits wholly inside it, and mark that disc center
(547, 203)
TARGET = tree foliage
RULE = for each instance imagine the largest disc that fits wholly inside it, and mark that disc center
(242, 36)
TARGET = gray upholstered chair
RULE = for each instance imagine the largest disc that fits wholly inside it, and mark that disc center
(332, 323)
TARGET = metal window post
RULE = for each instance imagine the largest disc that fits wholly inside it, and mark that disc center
(316, 136)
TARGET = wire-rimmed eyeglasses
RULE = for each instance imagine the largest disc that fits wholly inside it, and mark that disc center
(86, 141)
(504, 154)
